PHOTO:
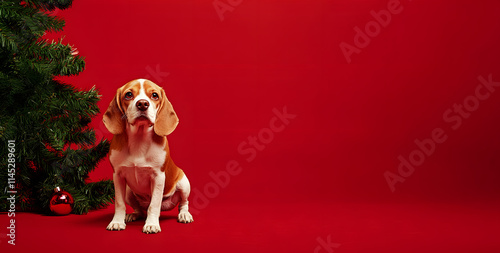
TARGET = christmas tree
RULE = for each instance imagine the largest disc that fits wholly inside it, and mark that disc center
(45, 138)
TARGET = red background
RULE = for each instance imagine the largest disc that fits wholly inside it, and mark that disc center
(323, 175)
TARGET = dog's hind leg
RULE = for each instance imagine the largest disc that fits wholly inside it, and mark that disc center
(184, 188)
(132, 201)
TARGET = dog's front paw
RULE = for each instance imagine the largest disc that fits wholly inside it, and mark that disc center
(151, 229)
(185, 217)
(116, 226)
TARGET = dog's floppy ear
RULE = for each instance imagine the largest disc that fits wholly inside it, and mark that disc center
(166, 118)
(113, 117)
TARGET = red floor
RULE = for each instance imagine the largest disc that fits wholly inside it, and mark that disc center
(293, 227)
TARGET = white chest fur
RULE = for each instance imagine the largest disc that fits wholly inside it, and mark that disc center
(139, 162)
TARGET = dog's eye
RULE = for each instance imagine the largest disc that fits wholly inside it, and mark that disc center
(155, 96)
(129, 95)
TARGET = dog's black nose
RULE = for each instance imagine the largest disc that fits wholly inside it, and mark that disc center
(142, 104)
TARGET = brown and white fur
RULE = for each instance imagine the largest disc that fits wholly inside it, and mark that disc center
(145, 177)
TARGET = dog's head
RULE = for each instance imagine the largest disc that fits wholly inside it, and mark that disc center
(141, 102)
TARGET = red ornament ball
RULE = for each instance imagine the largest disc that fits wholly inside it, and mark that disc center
(61, 202)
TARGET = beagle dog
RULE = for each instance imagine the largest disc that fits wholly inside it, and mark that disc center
(145, 177)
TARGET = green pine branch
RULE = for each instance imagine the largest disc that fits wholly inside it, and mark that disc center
(49, 120)
(49, 5)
